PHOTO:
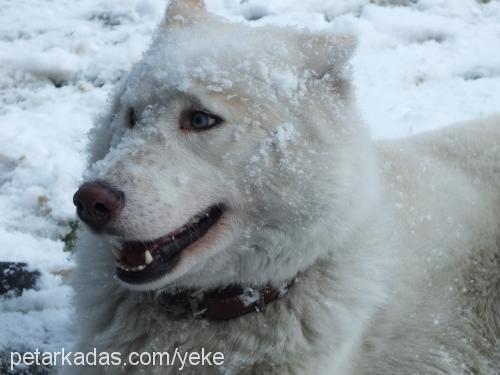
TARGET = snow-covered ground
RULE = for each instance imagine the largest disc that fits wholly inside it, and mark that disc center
(418, 67)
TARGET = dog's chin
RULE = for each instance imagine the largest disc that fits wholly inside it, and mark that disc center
(152, 264)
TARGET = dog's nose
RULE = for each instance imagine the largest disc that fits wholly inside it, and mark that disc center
(97, 203)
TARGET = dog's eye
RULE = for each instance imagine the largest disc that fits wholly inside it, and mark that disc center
(198, 120)
(130, 118)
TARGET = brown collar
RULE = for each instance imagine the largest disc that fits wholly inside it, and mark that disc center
(220, 304)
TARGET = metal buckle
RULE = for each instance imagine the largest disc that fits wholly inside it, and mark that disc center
(260, 304)
(194, 303)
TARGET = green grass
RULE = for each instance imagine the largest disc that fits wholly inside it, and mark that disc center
(69, 238)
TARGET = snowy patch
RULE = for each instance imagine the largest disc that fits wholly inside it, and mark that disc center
(249, 296)
(418, 67)
(284, 135)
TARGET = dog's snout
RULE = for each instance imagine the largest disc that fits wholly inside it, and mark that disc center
(97, 203)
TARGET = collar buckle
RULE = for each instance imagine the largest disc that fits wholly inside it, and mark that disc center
(195, 301)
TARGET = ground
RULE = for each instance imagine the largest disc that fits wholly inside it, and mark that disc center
(418, 67)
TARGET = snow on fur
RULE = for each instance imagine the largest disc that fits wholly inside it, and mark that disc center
(417, 67)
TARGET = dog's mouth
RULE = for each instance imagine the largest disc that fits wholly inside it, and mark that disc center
(140, 262)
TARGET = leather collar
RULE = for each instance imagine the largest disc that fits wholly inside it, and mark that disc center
(219, 304)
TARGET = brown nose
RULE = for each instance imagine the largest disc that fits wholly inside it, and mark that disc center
(97, 203)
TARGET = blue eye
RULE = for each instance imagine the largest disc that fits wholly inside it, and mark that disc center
(201, 120)
(198, 120)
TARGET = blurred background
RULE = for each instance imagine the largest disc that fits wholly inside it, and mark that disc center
(420, 65)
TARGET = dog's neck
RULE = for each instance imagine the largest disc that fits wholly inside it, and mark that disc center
(219, 304)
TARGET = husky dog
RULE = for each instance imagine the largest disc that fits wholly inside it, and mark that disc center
(233, 158)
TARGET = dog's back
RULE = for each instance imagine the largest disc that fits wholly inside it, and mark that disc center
(445, 190)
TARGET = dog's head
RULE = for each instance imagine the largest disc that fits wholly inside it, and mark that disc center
(230, 155)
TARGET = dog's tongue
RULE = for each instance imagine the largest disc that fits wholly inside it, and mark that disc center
(133, 252)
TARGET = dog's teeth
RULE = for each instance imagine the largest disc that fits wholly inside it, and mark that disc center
(124, 267)
(148, 257)
(140, 268)
(116, 253)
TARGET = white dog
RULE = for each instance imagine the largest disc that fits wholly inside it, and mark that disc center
(250, 214)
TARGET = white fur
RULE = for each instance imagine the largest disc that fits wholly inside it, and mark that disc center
(395, 244)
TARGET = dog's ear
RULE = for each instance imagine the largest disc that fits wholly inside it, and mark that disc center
(184, 12)
(325, 53)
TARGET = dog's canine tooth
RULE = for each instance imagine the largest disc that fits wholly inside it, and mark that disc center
(116, 253)
(141, 267)
(148, 257)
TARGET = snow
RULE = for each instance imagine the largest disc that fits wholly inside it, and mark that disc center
(249, 296)
(417, 68)
(58, 63)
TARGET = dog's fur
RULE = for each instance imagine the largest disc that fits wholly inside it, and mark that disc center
(395, 244)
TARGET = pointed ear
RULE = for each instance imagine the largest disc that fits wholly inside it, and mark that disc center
(184, 12)
(325, 53)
